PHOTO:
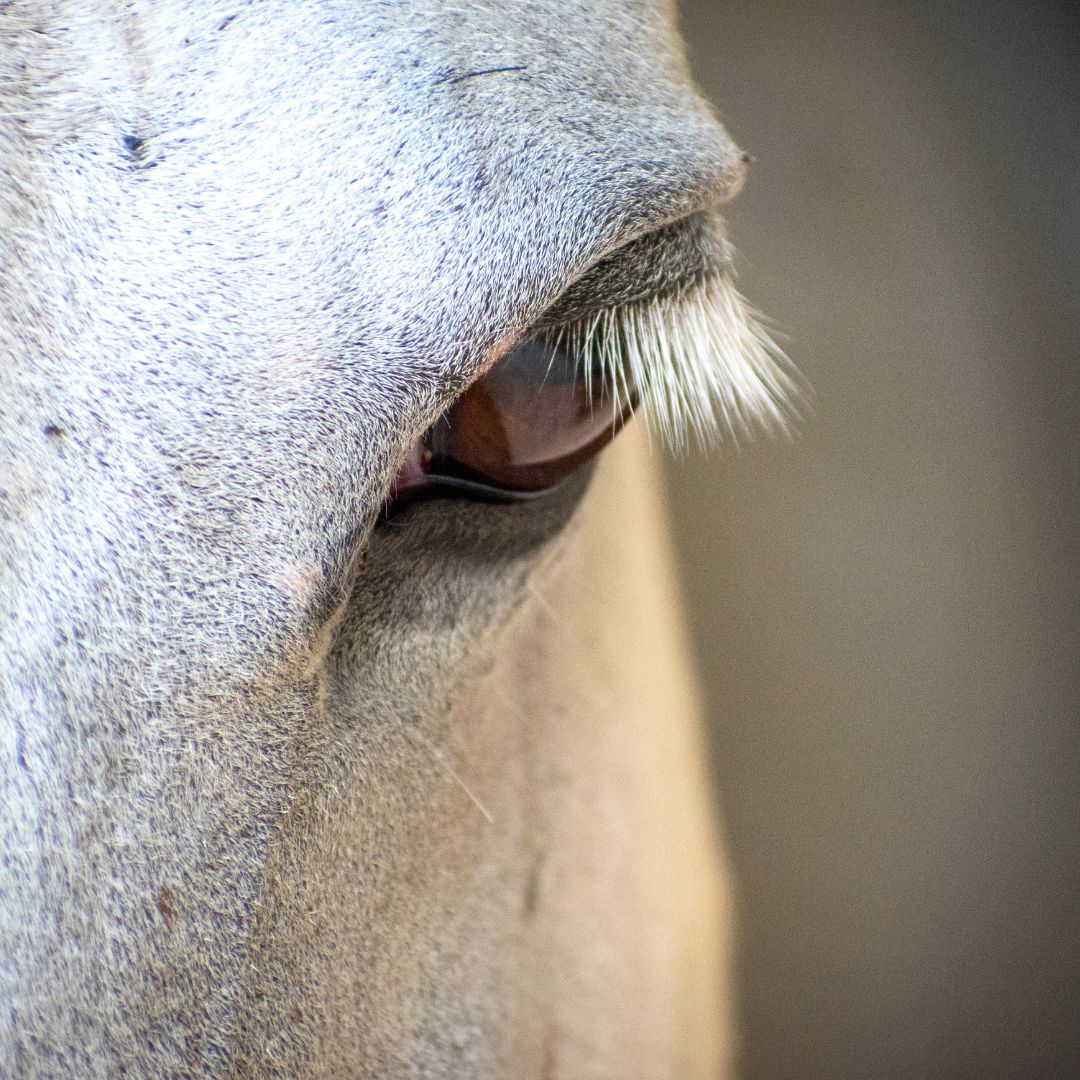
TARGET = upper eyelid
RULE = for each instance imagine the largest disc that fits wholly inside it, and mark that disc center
(665, 308)
(662, 262)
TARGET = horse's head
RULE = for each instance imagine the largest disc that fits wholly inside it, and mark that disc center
(286, 765)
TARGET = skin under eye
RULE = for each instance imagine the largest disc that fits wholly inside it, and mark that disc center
(540, 413)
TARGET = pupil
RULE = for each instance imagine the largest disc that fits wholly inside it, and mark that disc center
(540, 413)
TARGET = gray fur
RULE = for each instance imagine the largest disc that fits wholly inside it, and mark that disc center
(247, 253)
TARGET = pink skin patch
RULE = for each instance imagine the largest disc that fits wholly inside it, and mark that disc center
(298, 581)
(413, 471)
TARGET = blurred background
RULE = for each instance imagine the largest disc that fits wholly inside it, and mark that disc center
(886, 608)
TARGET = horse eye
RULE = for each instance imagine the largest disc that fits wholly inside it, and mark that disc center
(540, 413)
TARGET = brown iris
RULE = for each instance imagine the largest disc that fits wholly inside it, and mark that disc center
(540, 413)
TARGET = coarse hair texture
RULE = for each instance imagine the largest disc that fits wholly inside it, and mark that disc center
(699, 361)
(287, 790)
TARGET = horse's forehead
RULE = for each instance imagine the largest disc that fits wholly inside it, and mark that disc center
(264, 163)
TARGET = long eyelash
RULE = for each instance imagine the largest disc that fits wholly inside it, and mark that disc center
(703, 365)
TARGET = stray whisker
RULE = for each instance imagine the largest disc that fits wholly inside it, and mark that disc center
(545, 604)
(440, 757)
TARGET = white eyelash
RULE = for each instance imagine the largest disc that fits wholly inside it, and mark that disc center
(703, 364)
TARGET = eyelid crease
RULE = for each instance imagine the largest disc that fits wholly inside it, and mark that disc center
(665, 260)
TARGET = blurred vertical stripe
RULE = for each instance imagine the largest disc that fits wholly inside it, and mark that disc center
(886, 610)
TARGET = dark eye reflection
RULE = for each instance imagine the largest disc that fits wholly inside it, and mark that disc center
(538, 415)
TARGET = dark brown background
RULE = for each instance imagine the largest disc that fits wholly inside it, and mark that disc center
(886, 609)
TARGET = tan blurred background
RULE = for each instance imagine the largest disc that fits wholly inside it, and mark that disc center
(886, 609)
